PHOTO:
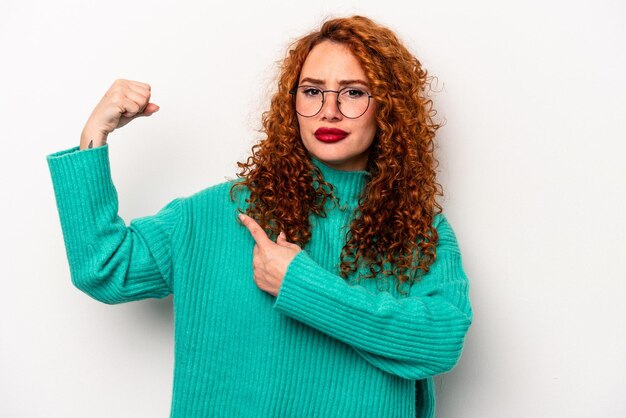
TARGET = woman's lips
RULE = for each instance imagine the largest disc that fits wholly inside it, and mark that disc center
(330, 134)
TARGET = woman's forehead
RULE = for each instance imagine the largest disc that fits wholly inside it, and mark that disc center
(332, 62)
(347, 82)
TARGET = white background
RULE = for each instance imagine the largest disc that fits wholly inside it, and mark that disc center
(532, 164)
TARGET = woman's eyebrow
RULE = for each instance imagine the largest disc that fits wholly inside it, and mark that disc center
(341, 83)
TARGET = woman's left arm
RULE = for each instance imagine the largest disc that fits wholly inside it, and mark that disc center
(413, 337)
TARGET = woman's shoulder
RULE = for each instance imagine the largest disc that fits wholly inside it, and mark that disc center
(220, 192)
(441, 222)
(447, 237)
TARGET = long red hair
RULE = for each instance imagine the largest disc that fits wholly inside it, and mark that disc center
(393, 222)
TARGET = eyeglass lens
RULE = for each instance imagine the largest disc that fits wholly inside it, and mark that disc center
(352, 102)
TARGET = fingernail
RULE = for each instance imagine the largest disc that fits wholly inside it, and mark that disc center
(241, 217)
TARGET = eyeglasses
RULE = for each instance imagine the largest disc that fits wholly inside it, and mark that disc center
(351, 101)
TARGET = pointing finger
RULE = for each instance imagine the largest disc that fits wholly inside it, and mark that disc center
(259, 235)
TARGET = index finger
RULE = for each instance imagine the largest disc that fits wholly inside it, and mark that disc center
(255, 229)
(140, 84)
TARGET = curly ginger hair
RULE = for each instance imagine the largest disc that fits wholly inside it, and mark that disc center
(393, 222)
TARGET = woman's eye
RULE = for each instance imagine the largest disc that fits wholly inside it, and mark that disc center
(311, 91)
(353, 93)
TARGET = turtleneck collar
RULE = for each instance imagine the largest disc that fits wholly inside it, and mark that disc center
(348, 185)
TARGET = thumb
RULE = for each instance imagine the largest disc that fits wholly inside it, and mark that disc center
(149, 110)
(281, 239)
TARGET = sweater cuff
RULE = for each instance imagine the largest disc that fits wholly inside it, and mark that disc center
(82, 176)
(75, 151)
(311, 294)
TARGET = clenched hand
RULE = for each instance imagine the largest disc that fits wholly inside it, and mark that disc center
(270, 259)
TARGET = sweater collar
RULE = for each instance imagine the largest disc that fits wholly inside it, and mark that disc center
(348, 185)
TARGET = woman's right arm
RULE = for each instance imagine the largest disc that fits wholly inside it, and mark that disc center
(124, 101)
(109, 261)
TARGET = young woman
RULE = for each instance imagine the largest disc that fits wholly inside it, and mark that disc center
(325, 280)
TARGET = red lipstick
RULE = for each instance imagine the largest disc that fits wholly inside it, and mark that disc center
(330, 134)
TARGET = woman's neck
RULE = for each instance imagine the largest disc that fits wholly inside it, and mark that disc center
(348, 185)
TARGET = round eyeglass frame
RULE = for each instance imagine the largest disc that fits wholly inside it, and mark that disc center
(293, 92)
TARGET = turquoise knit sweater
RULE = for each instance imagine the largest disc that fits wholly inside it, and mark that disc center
(324, 347)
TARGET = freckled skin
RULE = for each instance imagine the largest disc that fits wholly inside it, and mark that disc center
(333, 62)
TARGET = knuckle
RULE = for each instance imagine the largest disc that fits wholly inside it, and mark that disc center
(115, 98)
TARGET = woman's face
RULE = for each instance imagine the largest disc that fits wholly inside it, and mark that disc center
(332, 66)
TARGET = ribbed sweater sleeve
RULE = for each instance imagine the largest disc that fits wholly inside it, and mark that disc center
(413, 337)
(109, 261)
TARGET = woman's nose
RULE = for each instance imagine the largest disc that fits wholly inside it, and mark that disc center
(330, 107)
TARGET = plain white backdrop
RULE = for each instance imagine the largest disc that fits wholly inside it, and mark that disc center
(532, 163)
